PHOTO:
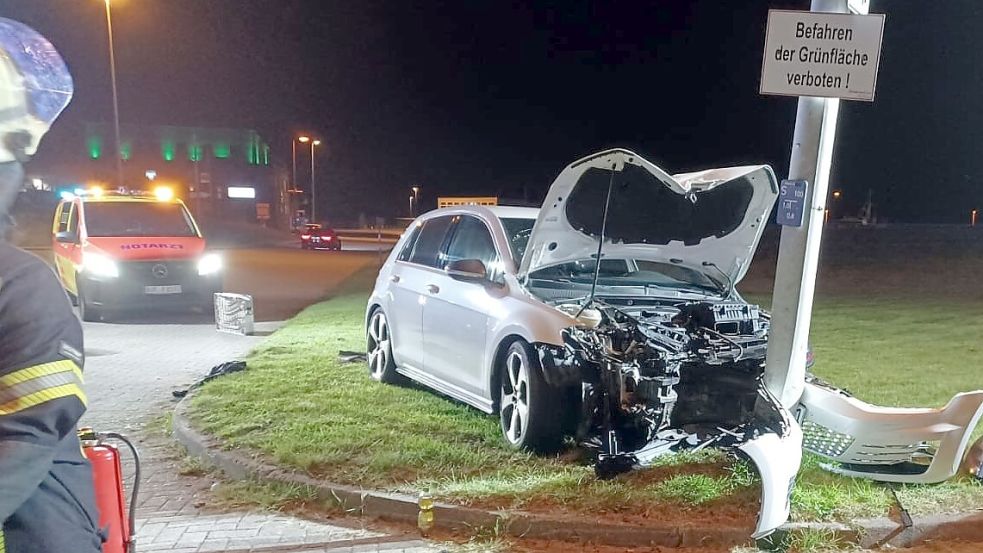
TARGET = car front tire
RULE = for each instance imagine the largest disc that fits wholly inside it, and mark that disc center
(379, 350)
(87, 312)
(530, 413)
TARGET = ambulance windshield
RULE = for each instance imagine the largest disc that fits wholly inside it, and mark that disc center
(138, 219)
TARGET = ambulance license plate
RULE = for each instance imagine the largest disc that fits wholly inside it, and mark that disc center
(162, 290)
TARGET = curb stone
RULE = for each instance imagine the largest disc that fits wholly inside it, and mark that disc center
(403, 508)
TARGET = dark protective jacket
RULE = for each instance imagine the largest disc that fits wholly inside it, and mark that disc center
(47, 503)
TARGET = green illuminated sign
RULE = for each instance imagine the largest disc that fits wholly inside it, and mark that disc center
(194, 152)
(94, 146)
(167, 150)
(222, 150)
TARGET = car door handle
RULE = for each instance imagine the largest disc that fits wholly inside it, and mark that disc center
(394, 278)
(433, 288)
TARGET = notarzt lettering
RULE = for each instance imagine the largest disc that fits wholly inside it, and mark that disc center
(152, 247)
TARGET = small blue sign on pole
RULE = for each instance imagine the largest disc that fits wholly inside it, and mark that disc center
(791, 202)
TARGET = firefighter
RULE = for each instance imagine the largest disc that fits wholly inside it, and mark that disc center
(47, 502)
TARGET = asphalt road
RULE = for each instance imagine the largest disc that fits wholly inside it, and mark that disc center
(284, 281)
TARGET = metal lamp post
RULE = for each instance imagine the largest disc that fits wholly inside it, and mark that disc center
(416, 200)
(303, 139)
(293, 149)
(313, 185)
(112, 78)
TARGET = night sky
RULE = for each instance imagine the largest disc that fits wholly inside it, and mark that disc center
(483, 98)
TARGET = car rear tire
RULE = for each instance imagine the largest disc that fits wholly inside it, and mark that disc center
(87, 312)
(379, 350)
(530, 413)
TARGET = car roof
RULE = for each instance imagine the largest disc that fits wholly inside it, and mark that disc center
(498, 211)
(514, 212)
(126, 199)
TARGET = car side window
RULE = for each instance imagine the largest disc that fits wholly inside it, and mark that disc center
(426, 250)
(472, 240)
(73, 220)
(64, 211)
(407, 251)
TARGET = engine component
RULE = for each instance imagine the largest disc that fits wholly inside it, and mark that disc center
(663, 378)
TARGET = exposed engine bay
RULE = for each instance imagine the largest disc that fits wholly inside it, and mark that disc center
(659, 376)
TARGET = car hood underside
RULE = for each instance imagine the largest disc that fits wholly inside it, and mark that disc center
(713, 217)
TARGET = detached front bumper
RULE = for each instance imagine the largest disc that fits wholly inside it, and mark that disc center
(889, 444)
(152, 284)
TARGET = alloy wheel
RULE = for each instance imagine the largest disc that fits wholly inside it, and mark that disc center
(515, 398)
(378, 344)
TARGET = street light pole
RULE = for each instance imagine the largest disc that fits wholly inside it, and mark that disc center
(798, 251)
(293, 174)
(416, 199)
(112, 78)
(303, 139)
(313, 186)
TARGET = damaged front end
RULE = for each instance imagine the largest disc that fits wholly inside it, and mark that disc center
(661, 376)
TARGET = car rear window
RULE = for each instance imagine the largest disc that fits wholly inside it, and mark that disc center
(137, 219)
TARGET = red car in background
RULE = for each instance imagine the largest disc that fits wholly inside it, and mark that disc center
(316, 237)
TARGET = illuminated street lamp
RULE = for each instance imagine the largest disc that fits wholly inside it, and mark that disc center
(313, 186)
(412, 212)
(304, 139)
(293, 148)
(972, 218)
(835, 207)
(415, 204)
(112, 78)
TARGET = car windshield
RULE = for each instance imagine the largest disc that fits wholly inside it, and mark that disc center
(518, 231)
(629, 272)
(138, 219)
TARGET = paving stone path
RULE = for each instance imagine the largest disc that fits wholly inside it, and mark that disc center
(131, 370)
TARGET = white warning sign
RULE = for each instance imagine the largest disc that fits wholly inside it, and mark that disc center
(821, 54)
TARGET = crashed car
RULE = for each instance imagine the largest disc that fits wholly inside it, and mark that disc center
(610, 315)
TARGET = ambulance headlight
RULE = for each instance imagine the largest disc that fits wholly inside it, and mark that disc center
(99, 265)
(209, 264)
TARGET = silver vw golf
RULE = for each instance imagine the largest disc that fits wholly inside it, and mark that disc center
(610, 316)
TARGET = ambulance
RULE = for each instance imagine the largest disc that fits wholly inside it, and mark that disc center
(116, 251)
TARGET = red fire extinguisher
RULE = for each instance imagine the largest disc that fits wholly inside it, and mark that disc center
(115, 519)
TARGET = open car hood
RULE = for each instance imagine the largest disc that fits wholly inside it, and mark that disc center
(714, 216)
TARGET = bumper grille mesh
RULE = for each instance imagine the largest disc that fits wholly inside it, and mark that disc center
(824, 441)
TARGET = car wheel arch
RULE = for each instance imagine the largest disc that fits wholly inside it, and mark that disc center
(496, 366)
(370, 310)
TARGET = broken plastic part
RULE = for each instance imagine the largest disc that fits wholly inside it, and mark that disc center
(889, 444)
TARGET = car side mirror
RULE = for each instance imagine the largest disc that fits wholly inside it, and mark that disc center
(66, 237)
(467, 269)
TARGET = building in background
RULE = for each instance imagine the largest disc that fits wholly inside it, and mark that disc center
(449, 201)
(218, 172)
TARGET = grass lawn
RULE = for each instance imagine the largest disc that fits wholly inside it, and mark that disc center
(300, 406)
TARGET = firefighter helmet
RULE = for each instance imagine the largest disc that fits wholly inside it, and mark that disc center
(35, 86)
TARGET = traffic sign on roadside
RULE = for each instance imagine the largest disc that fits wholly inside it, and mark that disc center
(832, 55)
(791, 203)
